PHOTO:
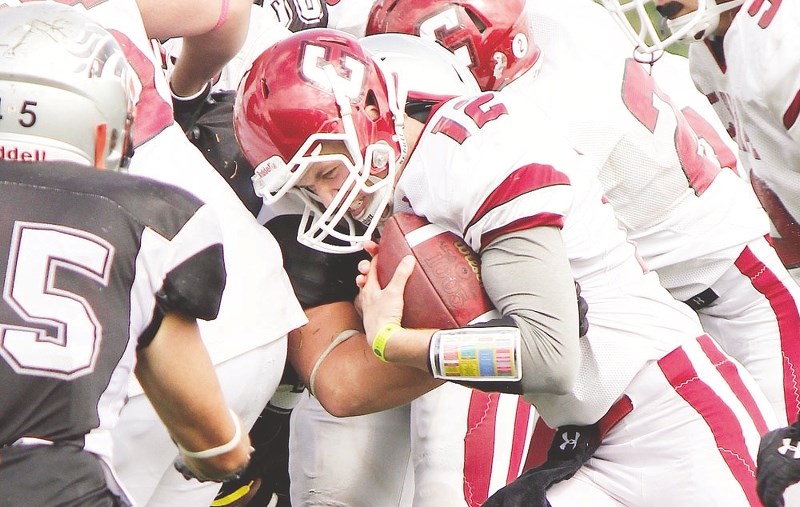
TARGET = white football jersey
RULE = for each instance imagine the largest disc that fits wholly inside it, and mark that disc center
(670, 173)
(753, 80)
(490, 163)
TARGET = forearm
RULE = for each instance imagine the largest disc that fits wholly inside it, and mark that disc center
(213, 32)
(202, 58)
(180, 382)
(527, 276)
(351, 380)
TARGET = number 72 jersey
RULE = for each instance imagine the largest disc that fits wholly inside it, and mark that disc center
(93, 260)
(491, 164)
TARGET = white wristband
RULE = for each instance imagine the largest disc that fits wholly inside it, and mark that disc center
(219, 450)
(191, 97)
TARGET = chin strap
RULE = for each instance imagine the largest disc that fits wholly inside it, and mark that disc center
(398, 95)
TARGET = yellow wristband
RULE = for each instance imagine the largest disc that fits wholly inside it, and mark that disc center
(379, 344)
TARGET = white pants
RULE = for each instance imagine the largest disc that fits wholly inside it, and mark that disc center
(757, 321)
(462, 444)
(691, 438)
(349, 461)
(144, 452)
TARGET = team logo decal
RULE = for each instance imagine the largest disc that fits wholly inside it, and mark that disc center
(330, 68)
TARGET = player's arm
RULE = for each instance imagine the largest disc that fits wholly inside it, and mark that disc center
(330, 354)
(178, 378)
(527, 276)
(350, 380)
(213, 32)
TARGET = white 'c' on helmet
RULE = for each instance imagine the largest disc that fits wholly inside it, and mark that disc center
(66, 88)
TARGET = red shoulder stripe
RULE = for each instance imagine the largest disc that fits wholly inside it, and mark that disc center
(523, 180)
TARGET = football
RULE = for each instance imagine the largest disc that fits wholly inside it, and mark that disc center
(445, 289)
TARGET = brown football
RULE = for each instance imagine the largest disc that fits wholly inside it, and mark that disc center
(445, 289)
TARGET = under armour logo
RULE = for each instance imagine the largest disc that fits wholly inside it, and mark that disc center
(699, 301)
(789, 445)
(573, 442)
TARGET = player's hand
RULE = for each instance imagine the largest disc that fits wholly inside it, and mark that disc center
(778, 464)
(371, 248)
(180, 465)
(382, 306)
(190, 469)
(583, 309)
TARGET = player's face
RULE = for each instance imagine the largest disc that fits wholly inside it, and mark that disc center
(672, 9)
(326, 179)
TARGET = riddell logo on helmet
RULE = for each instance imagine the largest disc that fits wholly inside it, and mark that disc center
(22, 155)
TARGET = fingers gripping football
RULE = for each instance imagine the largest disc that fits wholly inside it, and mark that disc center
(444, 289)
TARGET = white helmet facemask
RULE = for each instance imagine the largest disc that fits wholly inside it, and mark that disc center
(272, 179)
(701, 23)
(650, 39)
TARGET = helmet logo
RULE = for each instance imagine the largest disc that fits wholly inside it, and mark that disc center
(443, 24)
(520, 45)
(349, 78)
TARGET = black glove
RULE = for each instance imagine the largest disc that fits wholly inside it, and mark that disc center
(778, 464)
(572, 446)
(583, 309)
(268, 471)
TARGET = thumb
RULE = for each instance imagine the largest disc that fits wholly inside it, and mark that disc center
(402, 273)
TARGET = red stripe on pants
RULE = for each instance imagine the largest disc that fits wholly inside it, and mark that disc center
(729, 372)
(479, 446)
(679, 371)
(785, 308)
(520, 434)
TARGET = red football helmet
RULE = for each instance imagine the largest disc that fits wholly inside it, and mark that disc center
(493, 38)
(312, 87)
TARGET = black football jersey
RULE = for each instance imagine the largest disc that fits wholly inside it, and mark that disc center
(93, 260)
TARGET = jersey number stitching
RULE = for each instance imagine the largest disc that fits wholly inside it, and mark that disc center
(37, 252)
(648, 104)
(475, 112)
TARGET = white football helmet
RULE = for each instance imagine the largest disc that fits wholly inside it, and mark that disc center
(426, 70)
(494, 39)
(67, 90)
(638, 20)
